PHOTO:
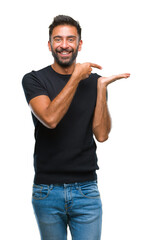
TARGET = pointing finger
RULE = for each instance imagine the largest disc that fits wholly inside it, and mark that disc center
(95, 65)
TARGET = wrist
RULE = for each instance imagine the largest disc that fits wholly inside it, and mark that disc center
(76, 77)
(101, 84)
(102, 92)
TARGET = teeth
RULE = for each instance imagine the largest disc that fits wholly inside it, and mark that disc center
(65, 53)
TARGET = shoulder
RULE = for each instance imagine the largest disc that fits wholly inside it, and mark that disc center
(34, 85)
(93, 79)
(34, 75)
(94, 76)
(43, 71)
(29, 78)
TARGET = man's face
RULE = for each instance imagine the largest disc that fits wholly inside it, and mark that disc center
(65, 44)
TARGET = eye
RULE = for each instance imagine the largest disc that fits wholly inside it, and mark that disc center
(57, 40)
(71, 40)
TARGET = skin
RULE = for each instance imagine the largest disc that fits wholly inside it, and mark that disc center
(69, 44)
(64, 44)
(101, 119)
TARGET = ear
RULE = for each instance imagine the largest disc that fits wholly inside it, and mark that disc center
(80, 45)
(49, 46)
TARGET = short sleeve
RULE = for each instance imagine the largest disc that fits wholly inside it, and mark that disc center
(32, 86)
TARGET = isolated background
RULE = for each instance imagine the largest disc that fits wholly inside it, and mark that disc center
(116, 35)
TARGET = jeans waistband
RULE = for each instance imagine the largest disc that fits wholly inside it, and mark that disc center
(74, 184)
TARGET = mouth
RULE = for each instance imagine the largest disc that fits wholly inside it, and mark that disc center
(64, 53)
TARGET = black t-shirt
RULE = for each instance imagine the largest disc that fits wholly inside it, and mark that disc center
(66, 153)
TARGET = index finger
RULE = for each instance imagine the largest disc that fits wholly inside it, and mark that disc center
(95, 65)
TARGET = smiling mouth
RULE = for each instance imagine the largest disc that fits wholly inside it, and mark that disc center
(64, 54)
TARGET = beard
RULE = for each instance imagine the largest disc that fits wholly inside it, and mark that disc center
(66, 62)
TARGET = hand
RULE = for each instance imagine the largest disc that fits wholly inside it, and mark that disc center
(105, 81)
(83, 70)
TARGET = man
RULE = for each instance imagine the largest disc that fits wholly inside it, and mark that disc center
(68, 105)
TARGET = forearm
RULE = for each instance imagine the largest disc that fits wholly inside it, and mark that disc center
(61, 103)
(101, 119)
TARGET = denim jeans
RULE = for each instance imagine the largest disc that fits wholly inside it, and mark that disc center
(77, 205)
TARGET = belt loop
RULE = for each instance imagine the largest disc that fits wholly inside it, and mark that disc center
(76, 185)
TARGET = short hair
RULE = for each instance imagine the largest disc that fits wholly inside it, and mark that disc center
(64, 20)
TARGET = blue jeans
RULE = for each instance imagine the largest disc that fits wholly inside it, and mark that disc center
(77, 205)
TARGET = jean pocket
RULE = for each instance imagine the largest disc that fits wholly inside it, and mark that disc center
(40, 191)
(89, 190)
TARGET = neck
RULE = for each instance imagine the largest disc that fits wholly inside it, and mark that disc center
(63, 70)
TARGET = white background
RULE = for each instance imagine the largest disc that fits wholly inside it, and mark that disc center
(117, 35)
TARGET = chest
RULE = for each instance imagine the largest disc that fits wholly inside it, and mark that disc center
(84, 98)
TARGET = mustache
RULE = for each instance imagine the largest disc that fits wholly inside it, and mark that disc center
(64, 49)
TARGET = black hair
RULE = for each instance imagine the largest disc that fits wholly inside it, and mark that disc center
(64, 20)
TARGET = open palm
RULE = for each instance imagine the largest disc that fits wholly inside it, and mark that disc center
(107, 80)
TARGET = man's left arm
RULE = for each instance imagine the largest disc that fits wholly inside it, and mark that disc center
(101, 120)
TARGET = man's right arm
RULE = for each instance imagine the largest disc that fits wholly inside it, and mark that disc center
(50, 112)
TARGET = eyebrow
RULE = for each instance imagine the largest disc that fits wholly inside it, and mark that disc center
(70, 36)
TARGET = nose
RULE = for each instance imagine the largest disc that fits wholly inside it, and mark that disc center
(64, 43)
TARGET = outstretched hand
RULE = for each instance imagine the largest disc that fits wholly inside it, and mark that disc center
(107, 80)
(83, 70)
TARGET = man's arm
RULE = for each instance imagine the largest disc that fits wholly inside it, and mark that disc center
(50, 112)
(101, 120)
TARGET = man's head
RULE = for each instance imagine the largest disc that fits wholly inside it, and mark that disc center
(64, 40)
(64, 20)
